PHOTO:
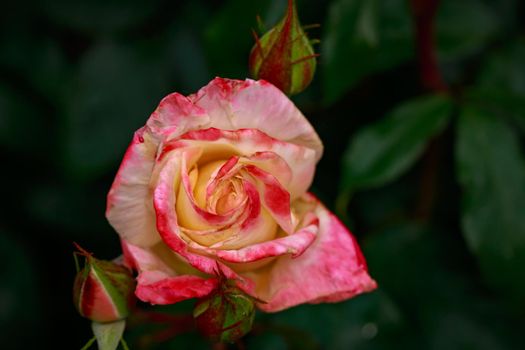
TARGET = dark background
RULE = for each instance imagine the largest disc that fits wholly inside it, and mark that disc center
(432, 187)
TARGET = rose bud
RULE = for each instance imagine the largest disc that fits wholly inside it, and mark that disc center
(103, 290)
(225, 315)
(284, 55)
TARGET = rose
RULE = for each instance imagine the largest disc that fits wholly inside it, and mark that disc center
(215, 184)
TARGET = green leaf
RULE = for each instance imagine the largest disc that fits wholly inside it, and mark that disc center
(459, 34)
(501, 84)
(491, 170)
(423, 269)
(501, 103)
(381, 152)
(363, 37)
(108, 334)
(505, 70)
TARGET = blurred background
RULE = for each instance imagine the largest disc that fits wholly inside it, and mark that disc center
(424, 162)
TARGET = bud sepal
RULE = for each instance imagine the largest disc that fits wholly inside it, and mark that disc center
(226, 314)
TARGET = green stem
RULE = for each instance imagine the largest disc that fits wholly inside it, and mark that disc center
(124, 344)
(89, 343)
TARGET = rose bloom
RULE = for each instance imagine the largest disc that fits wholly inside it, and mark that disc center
(215, 184)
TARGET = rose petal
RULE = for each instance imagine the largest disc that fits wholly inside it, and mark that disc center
(294, 244)
(271, 163)
(163, 277)
(227, 170)
(171, 290)
(276, 198)
(331, 269)
(255, 225)
(251, 143)
(197, 217)
(235, 104)
(167, 226)
(129, 202)
(175, 115)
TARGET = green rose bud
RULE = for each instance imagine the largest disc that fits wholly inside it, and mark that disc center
(225, 315)
(103, 290)
(284, 55)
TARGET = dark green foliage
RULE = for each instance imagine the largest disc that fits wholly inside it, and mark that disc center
(491, 170)
(379, 153)
(363, 37)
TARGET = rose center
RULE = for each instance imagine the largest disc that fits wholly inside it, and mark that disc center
(228, 200)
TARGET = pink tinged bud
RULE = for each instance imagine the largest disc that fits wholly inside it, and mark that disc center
(103, 291)
(225, 315)
(284, 55)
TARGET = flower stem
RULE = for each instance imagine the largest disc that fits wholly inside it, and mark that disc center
(89, 343)
(424, 13)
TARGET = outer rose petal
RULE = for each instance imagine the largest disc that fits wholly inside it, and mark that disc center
(158, 283)
(236, 104)
(331, 269)
(129, 203)
(171, 290)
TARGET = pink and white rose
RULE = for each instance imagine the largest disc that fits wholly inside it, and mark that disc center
(216, 183)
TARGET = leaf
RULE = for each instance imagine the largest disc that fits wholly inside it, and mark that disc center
(501, 84)
(108, 334)
(363, 37)
(459, 34)
(423, 270)
(505, 70)
(381, 152)
(491, 171)
(501, 103)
